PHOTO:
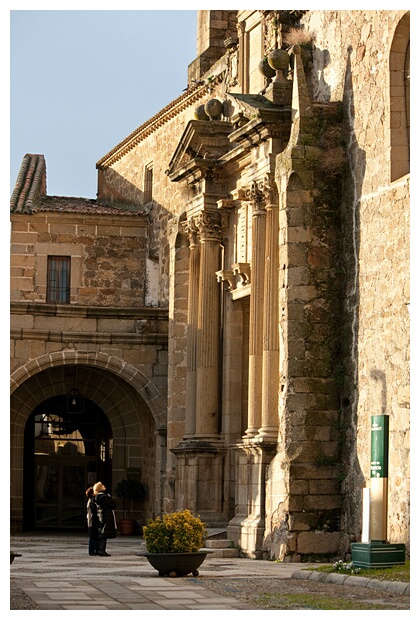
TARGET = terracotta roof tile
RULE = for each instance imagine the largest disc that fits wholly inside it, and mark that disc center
(30, 184)
(87, 206)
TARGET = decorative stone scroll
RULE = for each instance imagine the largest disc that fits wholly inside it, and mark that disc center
(243, 270)
(227, 275)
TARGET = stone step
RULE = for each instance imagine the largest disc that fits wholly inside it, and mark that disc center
(221, 543)
(225, 553)
(216, 533)
(222, 548)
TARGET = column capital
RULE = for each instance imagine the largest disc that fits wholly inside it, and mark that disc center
(191, 231)
(262, 193)
(209, 225)
(254, 193)
(270, 191)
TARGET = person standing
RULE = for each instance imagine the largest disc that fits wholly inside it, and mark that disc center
(106, 516)
(92, 522)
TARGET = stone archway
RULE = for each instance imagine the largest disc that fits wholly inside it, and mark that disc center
(131, 403)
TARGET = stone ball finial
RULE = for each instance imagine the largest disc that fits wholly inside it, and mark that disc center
(213, 108)
(200, 114)
(296, 49)
(265, 68)
(278, 59)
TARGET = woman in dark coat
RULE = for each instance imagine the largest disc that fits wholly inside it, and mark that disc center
(106, 516)
(92, 522)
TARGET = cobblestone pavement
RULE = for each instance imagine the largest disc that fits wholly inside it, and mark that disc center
(56, 573)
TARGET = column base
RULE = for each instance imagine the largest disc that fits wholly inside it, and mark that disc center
(250, 432)
(248, 534)
(199, 480)
(267, 433)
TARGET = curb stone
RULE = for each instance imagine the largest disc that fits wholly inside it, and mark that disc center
(396, 587)
(316, 576)
(357, 581)
(335, 578)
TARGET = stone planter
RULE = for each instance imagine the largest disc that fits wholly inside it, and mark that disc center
(177, 564)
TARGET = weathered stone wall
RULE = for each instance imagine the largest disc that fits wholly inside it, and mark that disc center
(108, 257)
(352, 64)
(304, 503)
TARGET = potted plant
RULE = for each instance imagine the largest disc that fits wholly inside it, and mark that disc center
(175, 543)
(128, 490)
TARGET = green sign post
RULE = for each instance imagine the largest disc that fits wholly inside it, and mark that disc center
(379, 477)
(377, 552)
(379, 446)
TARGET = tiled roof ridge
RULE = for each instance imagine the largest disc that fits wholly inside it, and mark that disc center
(29, 186)
(71, 204)
(161, 117)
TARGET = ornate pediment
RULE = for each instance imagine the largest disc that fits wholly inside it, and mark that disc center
(201, 144)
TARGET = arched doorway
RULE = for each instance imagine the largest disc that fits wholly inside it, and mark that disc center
(68, 446)
(127, 417)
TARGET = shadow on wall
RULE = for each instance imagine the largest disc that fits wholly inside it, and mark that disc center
(354, 481)
(320, 88)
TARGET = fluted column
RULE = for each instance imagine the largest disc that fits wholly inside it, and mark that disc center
(256, 196)
(271, 350)
(192, 317)
(208, 327)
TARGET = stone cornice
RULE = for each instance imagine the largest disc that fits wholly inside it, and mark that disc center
(88, 312)
(88, 337)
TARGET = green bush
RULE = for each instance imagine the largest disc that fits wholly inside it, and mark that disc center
(176, 532)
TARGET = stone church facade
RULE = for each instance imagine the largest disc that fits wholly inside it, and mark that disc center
(237, 300)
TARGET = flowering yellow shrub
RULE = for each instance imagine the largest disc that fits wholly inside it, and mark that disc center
(176, 532)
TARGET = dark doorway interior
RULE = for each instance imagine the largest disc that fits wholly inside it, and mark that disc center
(68, 447)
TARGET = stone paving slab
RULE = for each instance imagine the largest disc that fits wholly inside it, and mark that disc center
(56, 572)
(114, 596)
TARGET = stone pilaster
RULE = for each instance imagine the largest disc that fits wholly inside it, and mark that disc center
(207, 394)
(256, 196)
